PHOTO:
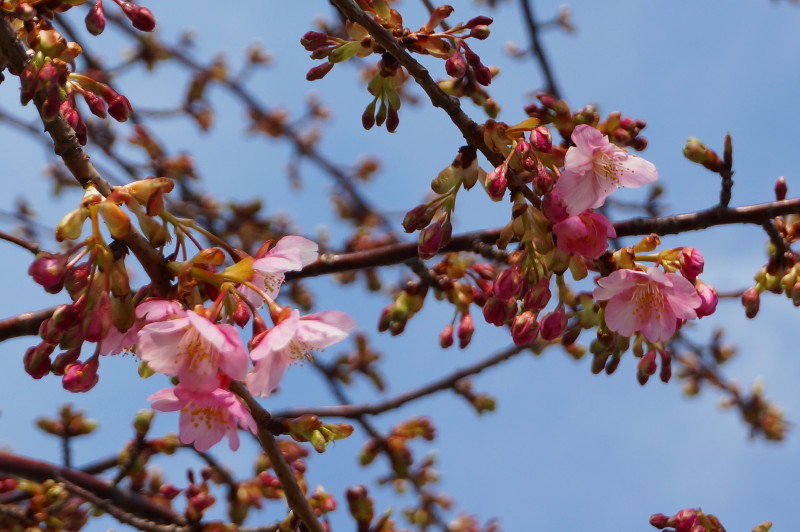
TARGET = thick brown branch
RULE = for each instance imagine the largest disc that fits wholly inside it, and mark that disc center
(19, 466)
(25, 324)
(294, 494)
(448, 381)
(67, 147)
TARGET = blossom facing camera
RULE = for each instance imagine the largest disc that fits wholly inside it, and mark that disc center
(650, 302)
(594, 168)
(585, 235)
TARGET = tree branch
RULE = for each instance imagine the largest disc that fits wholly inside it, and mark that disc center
(448, 381)
(294, 494)
(537, 49)
(67, 147)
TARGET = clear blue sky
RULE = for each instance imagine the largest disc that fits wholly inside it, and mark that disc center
(567, 450)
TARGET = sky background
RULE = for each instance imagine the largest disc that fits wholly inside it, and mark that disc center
(566, 450)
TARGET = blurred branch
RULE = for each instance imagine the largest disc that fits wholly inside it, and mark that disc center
(536, 47)
(444, 383)
(21, 242)
(19, 466)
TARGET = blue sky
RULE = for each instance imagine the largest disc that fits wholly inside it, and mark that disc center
(567, 450)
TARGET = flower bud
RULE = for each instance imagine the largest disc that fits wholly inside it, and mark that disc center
(508, 284)
(666, 367)
(480, 20)
(691, 261)
(750, 301)
(496, 183)
(37, 360)
(538, 296)
(446, 336)
(708, 299)
(659, 521)
(553, 208)
(432, 239)
(119, 107)
(96, 19)
(466, 327)
(542, 139)
(319, 71)
(553, 324)
(646, 367)
(498, 311)
(781, 189)
(480, 32)
(417, 218)
(96, 104)
(81, 377)
(524, 328)
(141, 17)
(455, 66)
(65, 359)
(48, 270)
(312, 40)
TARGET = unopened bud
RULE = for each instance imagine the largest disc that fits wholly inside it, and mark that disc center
(49, 270)
(141, 17)
(312, 40)
(708, 299)
(646, 367)
(691, 261)
(498, 311)
(750, 301)
(466, 327)
(37, 360)
(553, 324)
(780, 189)
(455, 66)
(81, 377)
(480, 32)
(509, 283)
(319, 71)
(496, 182)
(446, 336)
(96, 19)
(524, 328)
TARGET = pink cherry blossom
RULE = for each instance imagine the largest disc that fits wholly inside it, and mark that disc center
(205, 416)
(291, 253)
(585, 235)
(651, 302)
(193, 349)
(594, 168)
(290, 340)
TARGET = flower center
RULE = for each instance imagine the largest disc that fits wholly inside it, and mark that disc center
(206, 416)
(649, 300)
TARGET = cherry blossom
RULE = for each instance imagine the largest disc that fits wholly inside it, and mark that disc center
(205, 417)
(149, 311)
(649, 302)
(193, 349)
(291, 253)
(290, 340)
(585, 235)
(594, 168)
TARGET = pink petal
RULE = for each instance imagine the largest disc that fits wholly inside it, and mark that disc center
(159, 310)
(324, 329)
(165, 400)
(579, 191)
(158, 344)
(268, 374)
(235, 362)
(277, 338)
(637, 172)
(297, 247)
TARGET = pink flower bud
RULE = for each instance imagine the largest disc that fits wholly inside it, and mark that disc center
(538, 296)
(691, 262)
(483, 75)
(77, 278)
(49, 270)
(524, 328)
(29, 82)
(553, 324)
(478, 21)
(319, 71)
(455, 66)
(553, 208)
(498, 311)
(96, 19)
(141, 17)
(65, 359)
(446, 336)
(750, 300)
(480, 32)
(666, 367)
(685, 519)
(659, 521)
(509, 283)
(646, 367)
(708, 299)
(96, 104)
(466, 327)
(37, 360)
(119, 107)
(312, 40)
(496, 182)
(542, 139)
(433, 238)
(81, 377)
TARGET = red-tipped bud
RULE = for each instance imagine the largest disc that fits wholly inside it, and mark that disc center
(241, 314)
(119, 107)
(455, 66)
(96, 104)
(538, 296)
(81, 377)
(498, 311)
(496, 182)
(319, 71)
(509, 283)
(65, 359)
(781, 189)
(708, 299)
(542, 139)
(691, 261)
(433, 238)
(466, 327)
(417, 218)
(77, 278)
(141, 17)
(48, 270)
(446, 336)
(666, 367)
(29, 82)
(392, 120)
(659, 521)
(553, 208)
(646, 367)
(750, 300)
(312, 40)
(37, 360)
(553, 324)
(478, 21)
(524, 328)
(96, 19)
(480, 32)
(483, 75)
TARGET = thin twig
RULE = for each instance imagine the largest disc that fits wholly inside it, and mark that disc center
(537, 49)
(21, 242)
(448, 381)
